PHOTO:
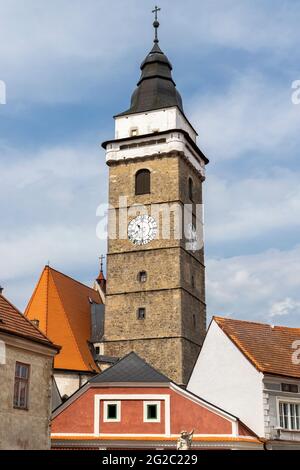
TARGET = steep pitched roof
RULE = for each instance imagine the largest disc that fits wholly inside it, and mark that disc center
(130, 368)
(62, 306)
(268, 348)
(12, 321)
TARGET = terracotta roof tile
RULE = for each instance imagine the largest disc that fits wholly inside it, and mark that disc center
(12, 321)
(269, 348)
(62, 306)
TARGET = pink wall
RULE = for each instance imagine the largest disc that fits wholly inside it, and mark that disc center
(185, 415)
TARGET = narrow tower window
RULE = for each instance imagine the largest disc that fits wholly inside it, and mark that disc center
(142, 276)
(191, 189)
(141, 313)
(142, 182)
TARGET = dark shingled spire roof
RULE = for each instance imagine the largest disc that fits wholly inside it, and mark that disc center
(130, 368)
(156, 88)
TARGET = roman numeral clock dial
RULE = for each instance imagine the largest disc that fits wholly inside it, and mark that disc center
(142, 230)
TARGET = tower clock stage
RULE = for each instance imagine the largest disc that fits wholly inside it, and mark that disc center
(155, 297)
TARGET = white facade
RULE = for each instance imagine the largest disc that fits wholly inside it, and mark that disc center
(69, 382)
(226, 378)
(223, 376)
(143, 147)
(275, 428)
(159, 120)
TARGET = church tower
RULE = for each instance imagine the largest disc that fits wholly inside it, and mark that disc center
(155, 293)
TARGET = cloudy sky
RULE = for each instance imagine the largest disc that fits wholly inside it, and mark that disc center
(70, 65)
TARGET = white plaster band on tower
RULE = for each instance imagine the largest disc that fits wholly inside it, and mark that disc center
(158, 120)
(158, 144)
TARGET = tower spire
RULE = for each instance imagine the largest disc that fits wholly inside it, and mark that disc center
(101, 258)
(156, 23)
(101, 278)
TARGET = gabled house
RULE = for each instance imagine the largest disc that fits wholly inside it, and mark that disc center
(26, 359)
(70, 314)
(253, 371)
(132, 405)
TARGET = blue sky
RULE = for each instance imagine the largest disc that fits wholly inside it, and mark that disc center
(69, 66)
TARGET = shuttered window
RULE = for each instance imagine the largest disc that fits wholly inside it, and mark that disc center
(142, 182)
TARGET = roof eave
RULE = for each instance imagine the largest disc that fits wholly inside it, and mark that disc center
(186, 134)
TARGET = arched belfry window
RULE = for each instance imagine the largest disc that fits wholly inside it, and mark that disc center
(142, 182)
(191, 189)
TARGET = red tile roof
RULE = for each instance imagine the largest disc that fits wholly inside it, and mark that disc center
(62, 306)
(268, 348)
(14, 322)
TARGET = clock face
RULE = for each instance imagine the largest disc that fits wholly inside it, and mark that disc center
(142, 230)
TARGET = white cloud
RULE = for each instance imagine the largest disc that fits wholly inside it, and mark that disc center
(248, 287)
(254, 116)
(50, 214)
(285, 307)
(244, 208)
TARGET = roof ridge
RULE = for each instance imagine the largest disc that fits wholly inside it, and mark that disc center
(68, 322)
(34, 292)
(131, 353)
(216, 317)
(69, 277)
(245, 351)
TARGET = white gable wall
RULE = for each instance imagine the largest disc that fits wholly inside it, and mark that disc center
(223, 376)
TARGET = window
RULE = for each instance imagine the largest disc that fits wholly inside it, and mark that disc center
(141, 313)
(289, 416)
(142, 182)
(112, 411)
(151, 412)
(142, 276)
(134, 132)
(292, 388)
(97, 350)
(21, 385)
(191, 189)
(193, 281)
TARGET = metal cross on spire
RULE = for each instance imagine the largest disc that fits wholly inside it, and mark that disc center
(102, 258)
(156, 22)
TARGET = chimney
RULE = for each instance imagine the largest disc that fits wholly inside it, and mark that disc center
(1, 290)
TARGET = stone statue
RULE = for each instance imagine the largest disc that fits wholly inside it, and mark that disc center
(185, 440)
